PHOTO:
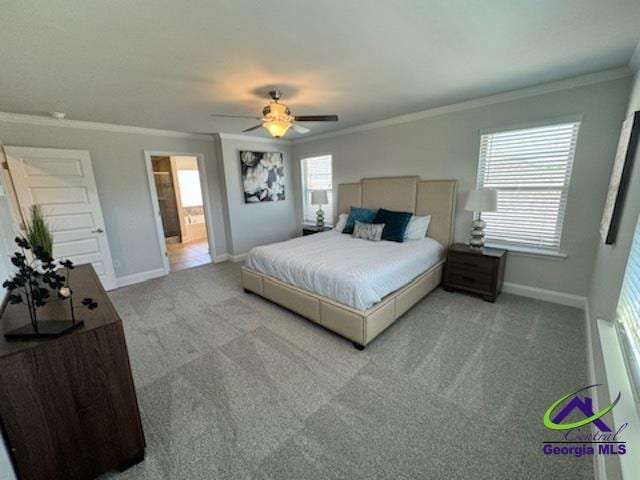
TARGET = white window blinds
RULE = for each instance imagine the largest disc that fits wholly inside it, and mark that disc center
(317, 175)
(530, 169)
(628, 312)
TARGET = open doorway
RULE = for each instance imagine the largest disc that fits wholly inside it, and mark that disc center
(177, 181)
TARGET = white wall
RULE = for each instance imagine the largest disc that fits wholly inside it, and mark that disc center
(609, 268)
(121, 177)
(446, 146)
(252, 224)
(611, 260)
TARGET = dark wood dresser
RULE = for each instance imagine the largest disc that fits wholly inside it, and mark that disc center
(68, 407)
(475, 270)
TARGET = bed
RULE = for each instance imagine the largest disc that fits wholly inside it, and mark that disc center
(355, 272)
(351, 286)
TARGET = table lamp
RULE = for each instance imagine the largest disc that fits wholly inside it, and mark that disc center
(319, 197)
(481, 200)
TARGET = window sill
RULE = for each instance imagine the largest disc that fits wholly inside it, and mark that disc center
(618, 379)
(530, 251)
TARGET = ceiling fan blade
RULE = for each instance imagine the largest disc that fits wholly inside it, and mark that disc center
(300, 128)
(316, 118)
(252, 128)
(234, 116)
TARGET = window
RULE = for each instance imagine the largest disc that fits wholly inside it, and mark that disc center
(316, 175)
(628, 312)
(190, 192)
(530, 169)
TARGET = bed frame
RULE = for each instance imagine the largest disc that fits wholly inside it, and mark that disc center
(408, 194)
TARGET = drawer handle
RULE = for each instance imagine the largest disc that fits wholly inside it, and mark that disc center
(469, 264)
(468, 279)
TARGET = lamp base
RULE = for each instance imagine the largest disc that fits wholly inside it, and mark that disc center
(477, 234)
(320, 218)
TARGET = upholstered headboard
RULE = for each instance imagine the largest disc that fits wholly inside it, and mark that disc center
(407, 194)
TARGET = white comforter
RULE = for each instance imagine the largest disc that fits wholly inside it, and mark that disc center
(352, 271)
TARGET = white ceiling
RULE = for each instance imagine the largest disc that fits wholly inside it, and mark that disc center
(168, 64)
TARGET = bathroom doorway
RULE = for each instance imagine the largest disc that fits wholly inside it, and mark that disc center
(178, 189)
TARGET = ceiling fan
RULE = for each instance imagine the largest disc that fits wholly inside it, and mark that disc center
(277, 118)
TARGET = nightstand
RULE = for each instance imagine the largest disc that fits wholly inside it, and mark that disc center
(311, 229)
(474, 270)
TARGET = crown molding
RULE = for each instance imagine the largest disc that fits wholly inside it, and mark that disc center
(573, 82)
(103, 127)
(634, 63)
(583, 80)
(248, 138)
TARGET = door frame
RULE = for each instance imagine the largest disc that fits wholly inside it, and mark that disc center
(18, 212)
(204, 186)
(10, 192)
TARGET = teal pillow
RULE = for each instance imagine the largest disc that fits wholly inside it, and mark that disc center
(364, 215)
(395, 224)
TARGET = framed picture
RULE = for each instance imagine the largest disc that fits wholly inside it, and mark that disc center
(262, 176)
(622, 166)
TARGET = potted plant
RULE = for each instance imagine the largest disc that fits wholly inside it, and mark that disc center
(35, 287)
(37, 231)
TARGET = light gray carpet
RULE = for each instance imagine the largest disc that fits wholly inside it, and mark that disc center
(233, 387)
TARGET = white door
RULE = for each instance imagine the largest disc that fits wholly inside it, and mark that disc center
(62, 183)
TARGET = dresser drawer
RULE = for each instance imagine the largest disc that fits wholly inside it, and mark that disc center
(470, 263)
(475, 280)
(476, 271)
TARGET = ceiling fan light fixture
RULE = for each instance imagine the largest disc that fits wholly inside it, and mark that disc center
(277, 118)
(278, 109)
(277, 128)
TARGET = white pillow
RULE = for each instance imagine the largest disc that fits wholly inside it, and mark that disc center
(417, 228)
(342, 221)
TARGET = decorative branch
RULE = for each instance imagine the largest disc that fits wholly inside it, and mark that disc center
(29, 283)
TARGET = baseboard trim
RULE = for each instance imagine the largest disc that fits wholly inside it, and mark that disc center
(223, 257)
(239, 258)
(552, 296)
(227, 257)
(139, 277)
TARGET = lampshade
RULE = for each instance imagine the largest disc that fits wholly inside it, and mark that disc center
(482, 200)
(319, 197)
(277, 128)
